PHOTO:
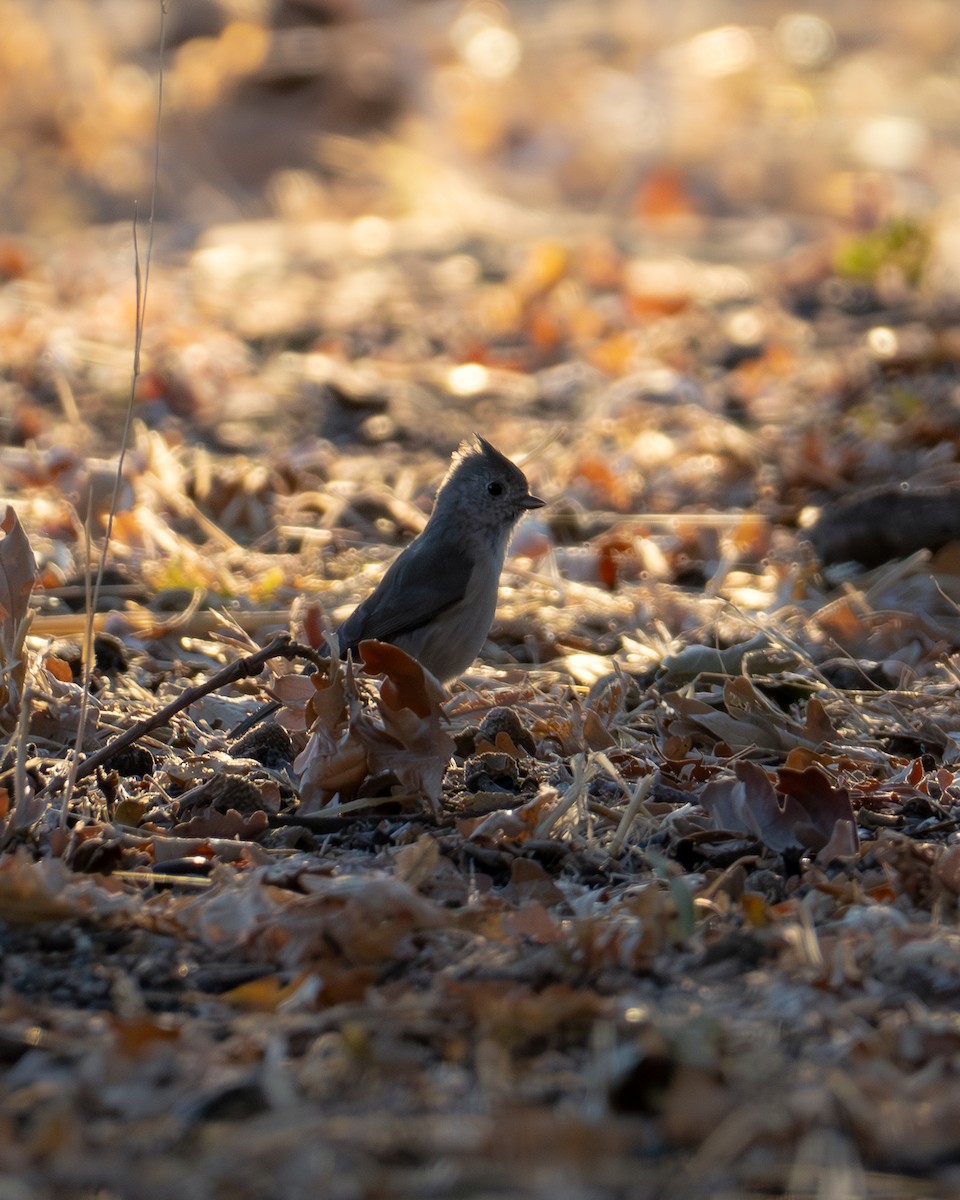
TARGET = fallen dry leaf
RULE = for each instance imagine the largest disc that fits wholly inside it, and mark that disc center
(18, 574)
(407, 683)
(804, 816)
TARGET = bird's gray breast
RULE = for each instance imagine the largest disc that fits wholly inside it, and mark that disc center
(449, 644)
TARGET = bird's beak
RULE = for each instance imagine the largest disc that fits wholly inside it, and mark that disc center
(532, 502)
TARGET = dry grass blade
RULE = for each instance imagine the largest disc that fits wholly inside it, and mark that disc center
(142, 279)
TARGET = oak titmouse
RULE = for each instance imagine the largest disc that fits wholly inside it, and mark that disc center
(438, 597)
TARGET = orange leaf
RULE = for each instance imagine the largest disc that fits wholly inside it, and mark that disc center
(417, 862)
(663, 196)
(754, 908)
(542, 328)
(600, 264)
(611, 552)
(946, 561)
(265, 994)
(506, 745)
(408, 684)
(344, 985)
(675, 748)
(615, 354)
(530, 883)
(608, 486)
(137, 1036)
(817, 727)
(58, 668)
(314, 621)
(750, 537)
(546, 265)
(883, 893)
(800, 757)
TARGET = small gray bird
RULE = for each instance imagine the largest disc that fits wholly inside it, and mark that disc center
(438, 597)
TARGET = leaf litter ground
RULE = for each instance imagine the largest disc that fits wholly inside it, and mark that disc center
(662, 898)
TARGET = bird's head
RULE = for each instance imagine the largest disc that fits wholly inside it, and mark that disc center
(485, 488)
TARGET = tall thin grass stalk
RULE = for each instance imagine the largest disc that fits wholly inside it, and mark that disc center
(142, 283)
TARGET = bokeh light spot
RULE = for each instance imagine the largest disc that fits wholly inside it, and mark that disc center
(805, 40)
(723, 51)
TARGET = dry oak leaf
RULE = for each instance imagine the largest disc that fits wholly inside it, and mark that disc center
(415, 750)
(530, 882)
(411, 744)
(736, 730)
(224, 825)
(417, 862)
(18, 574)
(806, 817)
(626, 940)
(49, 891)
(312, 700)
(516, 1013)
(510, 825)
(826, 806)
(370, 918)
(334, 760)
(271, 992)
(748, 719)
(349, 743)
(408, 683)
(328, 769)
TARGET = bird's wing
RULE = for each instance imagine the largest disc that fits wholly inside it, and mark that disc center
(425, 580)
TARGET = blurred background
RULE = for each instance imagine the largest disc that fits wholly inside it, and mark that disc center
(673, 113)
(386, 223)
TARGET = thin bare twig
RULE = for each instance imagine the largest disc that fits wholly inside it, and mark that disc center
(243, 668)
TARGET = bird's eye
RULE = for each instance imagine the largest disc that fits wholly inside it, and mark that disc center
(495, 488)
